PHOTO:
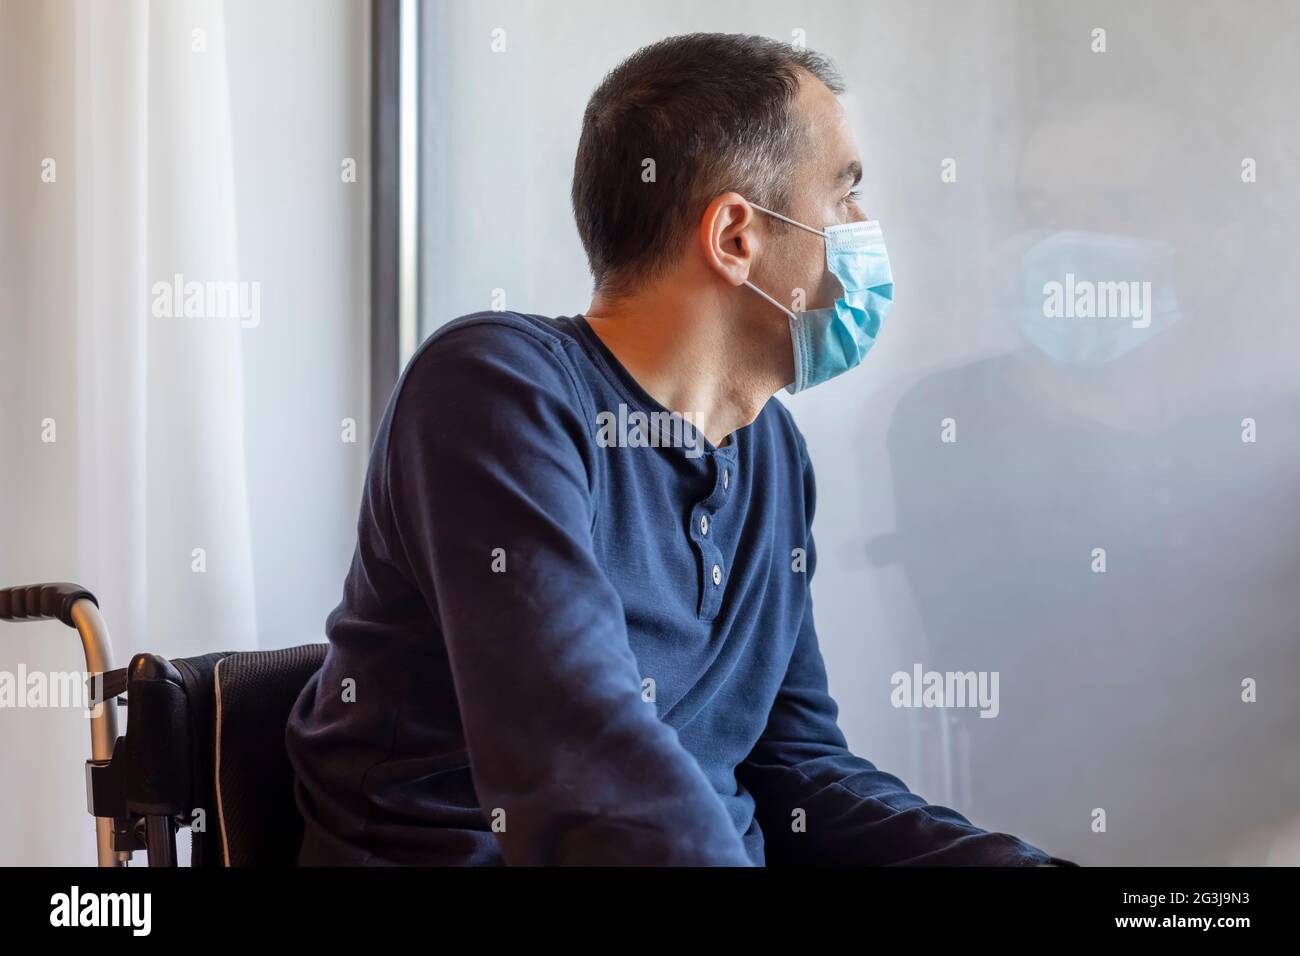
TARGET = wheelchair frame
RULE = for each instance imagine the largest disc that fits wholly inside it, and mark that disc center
(130, 813)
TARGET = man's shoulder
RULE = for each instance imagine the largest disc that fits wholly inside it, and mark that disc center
(484, 352)
(483, 372)
(487, 384)
(520, 335)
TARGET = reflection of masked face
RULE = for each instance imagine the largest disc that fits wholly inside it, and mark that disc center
(1088, 298)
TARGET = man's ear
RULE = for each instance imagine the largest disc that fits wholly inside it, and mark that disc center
(729, 237)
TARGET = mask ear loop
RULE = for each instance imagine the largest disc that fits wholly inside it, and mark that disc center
(795, 329)
(793, 317)
(793, 222)
(815, 232)
(796, 326)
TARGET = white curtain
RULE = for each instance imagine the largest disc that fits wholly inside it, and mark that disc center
(122, 452)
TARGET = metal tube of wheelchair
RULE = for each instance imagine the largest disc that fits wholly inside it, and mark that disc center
(76, 607)
(160, 840)
(98, 650)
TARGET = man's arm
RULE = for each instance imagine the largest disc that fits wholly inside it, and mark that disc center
(490, 449)
(853, 812)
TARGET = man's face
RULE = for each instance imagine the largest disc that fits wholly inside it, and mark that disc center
(823, 194)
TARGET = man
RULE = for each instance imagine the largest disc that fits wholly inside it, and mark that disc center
(564, 640)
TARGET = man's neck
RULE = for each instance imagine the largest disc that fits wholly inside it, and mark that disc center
(688, 356)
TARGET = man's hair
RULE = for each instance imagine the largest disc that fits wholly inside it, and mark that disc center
(713, 111)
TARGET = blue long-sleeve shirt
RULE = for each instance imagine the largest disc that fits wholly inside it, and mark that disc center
(559, 643)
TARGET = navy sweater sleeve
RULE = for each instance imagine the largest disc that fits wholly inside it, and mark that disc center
(852, 812)
(491, 465)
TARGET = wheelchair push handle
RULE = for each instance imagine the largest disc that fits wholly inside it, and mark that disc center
(42, 602)
(78, 608)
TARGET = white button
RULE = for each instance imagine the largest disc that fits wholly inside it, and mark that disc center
(704, 524)
(726, 476)
(717, 574)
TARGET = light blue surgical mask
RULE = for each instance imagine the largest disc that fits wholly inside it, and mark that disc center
(830, 341)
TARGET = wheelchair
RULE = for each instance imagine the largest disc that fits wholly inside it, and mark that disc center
(203, 749)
